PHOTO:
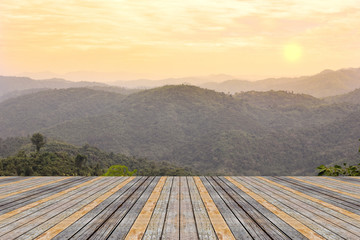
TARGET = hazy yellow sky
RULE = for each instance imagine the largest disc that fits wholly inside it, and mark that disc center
(168, 38)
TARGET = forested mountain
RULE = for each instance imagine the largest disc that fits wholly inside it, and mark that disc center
(352, 97)
(267, 133)
(17, 157)
(323, 84)
(28, 113)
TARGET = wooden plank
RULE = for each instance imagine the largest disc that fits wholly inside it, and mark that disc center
(340, 191)
(5, 178)
(6, 213)
(333, 214)
(188, 230)
(117, 215)
(353, 195)
(326, 204)
(221, 228)
(139, 227)
(18, 181)
(49, 204)
(251, 215)
(31, 188)
(20, 200)
(307, 232)
(268, 217)
(52, 232)
(341, 180)
(63, 215)
(96, 219)
(30, 214)
(26, 184)
(312, 217)
(171, 228)
(9, 179)
(339, 200)
(36, 223)
(122, 229)
(157, 220)
(350, 179)
(36, 191)
(84, 223)
(230, 211)
(203, 224)
(27, 213)
(330, 214)
(338, 184)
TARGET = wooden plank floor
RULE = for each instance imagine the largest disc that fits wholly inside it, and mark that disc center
(179, 208)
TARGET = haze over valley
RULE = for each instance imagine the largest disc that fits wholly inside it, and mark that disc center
(209, 132)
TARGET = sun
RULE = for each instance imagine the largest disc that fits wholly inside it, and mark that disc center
(292, 52)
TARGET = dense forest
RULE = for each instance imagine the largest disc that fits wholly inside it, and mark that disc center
(19, 156)
(250, 133)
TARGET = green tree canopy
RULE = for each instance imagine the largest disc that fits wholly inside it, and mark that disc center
(119, 170)
(80, 160)
(38, 141)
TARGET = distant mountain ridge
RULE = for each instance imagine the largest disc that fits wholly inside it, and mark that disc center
(251, 133)
(324, 84)
(11, 87)
(17, 84)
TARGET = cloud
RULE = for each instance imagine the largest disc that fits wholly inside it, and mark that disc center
(169, 28)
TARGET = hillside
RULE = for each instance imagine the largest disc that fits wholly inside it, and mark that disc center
(352, 97)
(28, 113)
(57, 158)
(14, 85)
(267, 133)
(324, 84)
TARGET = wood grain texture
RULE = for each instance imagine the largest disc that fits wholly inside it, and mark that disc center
(180, 208)
(204, 228)
(31, 205)
(188, 229)
(307, 232)
(18, 180)
(353, 195)
(31, 188)
(171, 228)
(341, 201)
(91, 221)
(37, 222)
(124, 226)
(221, 228)
(68, 221)
(221, 200)
(156, 224)
(318, 219)
(328, 205)
(138, 229)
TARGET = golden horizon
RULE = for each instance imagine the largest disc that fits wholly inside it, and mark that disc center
(162, 39)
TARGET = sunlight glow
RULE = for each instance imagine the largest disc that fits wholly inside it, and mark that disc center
(161, 39)
(292, 52)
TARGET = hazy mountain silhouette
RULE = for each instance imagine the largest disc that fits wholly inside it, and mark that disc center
(17, 84)
(273, 133)
(326, 83)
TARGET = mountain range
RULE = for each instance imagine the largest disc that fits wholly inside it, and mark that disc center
(250, 133)
(324, 84)
(11, 87)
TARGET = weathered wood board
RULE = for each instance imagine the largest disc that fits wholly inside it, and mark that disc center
(179, 208)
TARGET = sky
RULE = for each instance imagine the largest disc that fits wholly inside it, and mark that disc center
(129, 39)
